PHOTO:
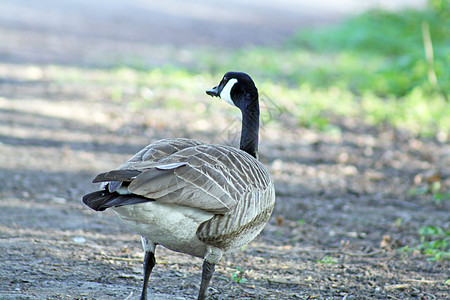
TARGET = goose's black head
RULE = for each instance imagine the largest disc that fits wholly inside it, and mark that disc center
(237, 89)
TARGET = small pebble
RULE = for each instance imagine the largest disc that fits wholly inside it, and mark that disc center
(79, 240)
(59, 200)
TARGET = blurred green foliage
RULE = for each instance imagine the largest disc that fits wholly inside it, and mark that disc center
(441, 7)
(371, 67)
(327, 260)
(386, 51)
(238, 276)
(434, 242)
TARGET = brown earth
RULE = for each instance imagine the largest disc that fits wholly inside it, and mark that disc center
(344, 208)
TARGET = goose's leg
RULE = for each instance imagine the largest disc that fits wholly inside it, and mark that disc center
(149, 263)
(207, 272)
(212, 257)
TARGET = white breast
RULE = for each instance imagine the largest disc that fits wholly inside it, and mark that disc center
(170, 225)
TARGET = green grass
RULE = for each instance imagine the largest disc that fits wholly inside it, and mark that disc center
(385, 50)
(238, 276)
(327, 260)
(435, 190)
(371, 67)
(435, 243)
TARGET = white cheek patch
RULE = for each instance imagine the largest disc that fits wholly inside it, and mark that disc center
(225, 94)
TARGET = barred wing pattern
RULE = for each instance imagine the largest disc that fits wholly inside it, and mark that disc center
(219, 179)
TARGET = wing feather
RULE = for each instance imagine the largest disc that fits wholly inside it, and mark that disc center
(209, 177)
(116, 175)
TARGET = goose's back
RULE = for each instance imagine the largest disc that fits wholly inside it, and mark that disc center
(226, 181)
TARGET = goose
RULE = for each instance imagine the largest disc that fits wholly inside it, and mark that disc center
(201, 199)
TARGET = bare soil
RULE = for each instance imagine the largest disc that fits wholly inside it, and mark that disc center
(344, 207)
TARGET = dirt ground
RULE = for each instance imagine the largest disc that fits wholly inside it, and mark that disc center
(344, 207)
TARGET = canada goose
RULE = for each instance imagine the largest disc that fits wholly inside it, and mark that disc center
(200, 199)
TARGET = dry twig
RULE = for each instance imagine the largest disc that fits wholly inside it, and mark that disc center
(355, 254)
(280, 281)
(123, 258)
(397, 286)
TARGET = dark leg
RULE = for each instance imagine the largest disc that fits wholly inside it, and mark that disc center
(208, 270)
(149, 263)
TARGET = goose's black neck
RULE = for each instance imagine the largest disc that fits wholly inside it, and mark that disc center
(250, 127)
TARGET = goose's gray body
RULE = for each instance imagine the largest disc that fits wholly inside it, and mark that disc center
(202, 196)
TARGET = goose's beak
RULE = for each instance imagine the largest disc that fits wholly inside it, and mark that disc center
(214, 92)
